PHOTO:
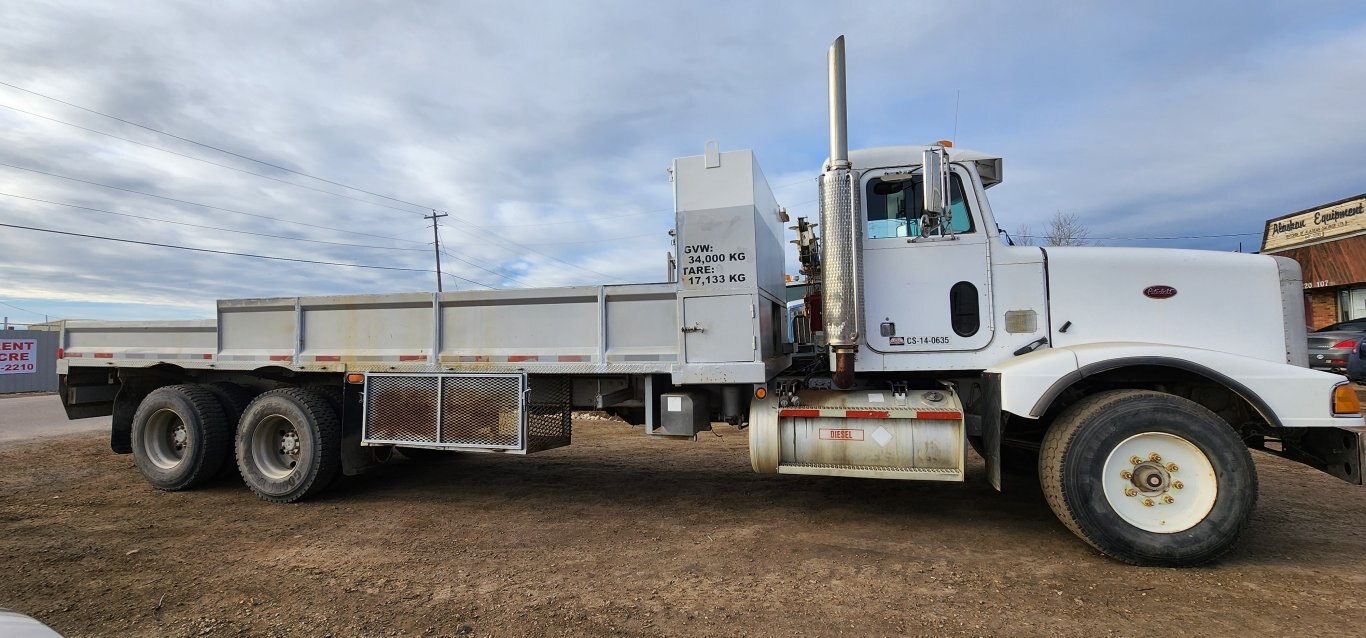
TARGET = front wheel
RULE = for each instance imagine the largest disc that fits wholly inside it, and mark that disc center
(288, 445)
(1148, 478)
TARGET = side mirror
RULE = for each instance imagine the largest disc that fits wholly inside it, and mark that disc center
(935, 170)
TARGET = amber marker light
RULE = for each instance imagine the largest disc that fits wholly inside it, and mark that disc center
(355, 377)
(760, 392)
(1345, 401)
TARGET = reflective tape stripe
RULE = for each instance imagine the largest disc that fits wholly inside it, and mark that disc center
(938, 415)
(865, 414)
(799, 413)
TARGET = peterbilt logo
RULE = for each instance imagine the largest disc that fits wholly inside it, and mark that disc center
(1159, 292)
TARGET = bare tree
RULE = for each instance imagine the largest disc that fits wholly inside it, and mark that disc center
(1064, 229)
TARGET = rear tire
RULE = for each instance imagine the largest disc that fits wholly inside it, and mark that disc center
(234, 399)
(289, 445)
(1148, 478)
(180, 437)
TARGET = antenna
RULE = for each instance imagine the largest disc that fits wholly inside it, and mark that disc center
(956, 98)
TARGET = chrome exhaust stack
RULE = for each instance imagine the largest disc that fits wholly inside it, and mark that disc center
(842, 235)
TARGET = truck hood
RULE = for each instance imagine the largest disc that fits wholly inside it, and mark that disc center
(1226, 302)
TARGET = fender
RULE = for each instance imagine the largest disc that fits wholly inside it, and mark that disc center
(1284, 395)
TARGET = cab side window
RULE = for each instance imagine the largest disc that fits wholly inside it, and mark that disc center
(896, 208)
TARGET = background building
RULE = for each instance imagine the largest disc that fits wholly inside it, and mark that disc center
(1329, 242)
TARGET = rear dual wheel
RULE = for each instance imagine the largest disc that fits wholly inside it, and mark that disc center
(1148, 478)
(289, 445)
(181, 437)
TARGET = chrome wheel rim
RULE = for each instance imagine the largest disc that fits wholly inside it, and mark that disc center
(276, 447)
(166, 439)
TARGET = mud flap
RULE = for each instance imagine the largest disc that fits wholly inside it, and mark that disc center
(991, 426)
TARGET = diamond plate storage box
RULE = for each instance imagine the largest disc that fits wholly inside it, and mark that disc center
(497, 412)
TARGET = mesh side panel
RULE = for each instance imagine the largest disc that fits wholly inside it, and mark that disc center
(548, 418)
(401, 409)
(481, 411)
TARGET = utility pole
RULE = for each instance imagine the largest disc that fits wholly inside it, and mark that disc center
(436, 243)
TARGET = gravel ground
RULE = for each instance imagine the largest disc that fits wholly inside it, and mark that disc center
(623, 535)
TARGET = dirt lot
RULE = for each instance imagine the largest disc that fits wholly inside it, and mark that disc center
(619, 534)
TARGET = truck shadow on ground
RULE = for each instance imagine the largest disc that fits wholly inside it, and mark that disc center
(1290, 527)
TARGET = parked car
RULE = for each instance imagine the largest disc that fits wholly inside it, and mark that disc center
(1331, 347)
(1356, 363)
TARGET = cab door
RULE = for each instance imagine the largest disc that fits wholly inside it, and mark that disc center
(926, 289)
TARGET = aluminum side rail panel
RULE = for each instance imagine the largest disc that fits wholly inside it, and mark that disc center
(139, 343)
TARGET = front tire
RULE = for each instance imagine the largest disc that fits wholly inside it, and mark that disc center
(180, 437)
(1148, 478)
(289, 445)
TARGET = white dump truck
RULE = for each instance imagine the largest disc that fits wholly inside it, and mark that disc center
(1133, 382)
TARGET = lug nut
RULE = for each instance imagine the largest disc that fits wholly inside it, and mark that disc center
(1167, 498)
(1155, 457)
(1178, 485)
(1126, 475)
(1134, 460)
(1171, 467)
(1147, 502)
(1129, 491)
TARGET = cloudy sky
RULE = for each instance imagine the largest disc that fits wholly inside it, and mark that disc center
(545, 129)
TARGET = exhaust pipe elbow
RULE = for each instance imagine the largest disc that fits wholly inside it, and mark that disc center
(844, 369)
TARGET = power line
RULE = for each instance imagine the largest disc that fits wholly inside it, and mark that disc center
(145, 127)
(5, 303)
(579, 220)
(218, 208)
(596, 241)
(495, 273)
(200, 159)
(209, 146)
(216, 252)
(191, 157)
(226, 230)
(197, 159)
